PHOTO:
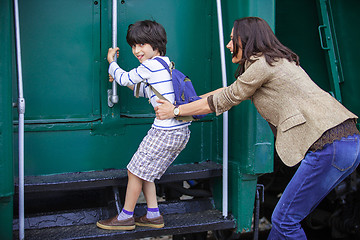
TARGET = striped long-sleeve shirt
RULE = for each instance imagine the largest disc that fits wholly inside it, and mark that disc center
(154, 73)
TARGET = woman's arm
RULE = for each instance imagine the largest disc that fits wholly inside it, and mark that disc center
(199, 107)
(211, 93)
(223, 99)
(166, 109)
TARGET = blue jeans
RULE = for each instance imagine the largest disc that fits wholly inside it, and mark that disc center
(318, 173)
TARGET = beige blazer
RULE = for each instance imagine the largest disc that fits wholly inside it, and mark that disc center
(287, 98)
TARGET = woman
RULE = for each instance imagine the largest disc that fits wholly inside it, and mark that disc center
(309, 125)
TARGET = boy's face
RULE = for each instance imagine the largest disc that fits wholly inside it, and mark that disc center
(144, 52)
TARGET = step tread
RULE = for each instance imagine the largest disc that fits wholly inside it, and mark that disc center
(115, 177)
(92, 215)
(174, 224)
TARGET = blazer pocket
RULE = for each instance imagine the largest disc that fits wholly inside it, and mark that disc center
(291, 122)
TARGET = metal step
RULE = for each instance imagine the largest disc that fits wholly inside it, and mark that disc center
(115, 177)
(181, 217)
(209, 220)
(92, 215)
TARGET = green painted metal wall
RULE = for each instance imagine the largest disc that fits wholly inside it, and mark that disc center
(300, 32)
(69, 126)
(345, 19)
(6, 140)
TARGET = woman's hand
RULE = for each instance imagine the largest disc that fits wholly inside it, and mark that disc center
(111, 54)
(165, 110)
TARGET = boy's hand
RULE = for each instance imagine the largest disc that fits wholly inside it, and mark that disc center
(111, 54)
(111, 79)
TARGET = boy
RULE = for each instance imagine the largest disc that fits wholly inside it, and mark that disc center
(166, 138)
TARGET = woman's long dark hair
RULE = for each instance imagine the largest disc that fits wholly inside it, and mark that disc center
(257, 38)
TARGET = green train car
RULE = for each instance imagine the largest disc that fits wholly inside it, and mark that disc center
(76, 146)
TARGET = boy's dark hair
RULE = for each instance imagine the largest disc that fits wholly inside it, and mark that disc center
(150, 32)
(258, 38)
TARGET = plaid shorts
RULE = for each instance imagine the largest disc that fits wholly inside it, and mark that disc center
(157, 151)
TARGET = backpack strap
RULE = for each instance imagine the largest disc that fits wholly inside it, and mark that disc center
(151, 87)
(169, 69)
(156, 92)
(163, 63)
(180, 118)
(137, 90)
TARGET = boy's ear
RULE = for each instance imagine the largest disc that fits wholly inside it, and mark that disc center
(158, 51)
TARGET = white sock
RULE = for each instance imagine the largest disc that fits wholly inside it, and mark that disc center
(125, 215)
(152, 213)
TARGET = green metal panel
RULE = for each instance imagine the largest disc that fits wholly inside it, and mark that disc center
(300, 32)
(69, 126)
(71, 151)
(252, 146)
(6, 217)
(189, 25)
(345, 21)
(6, 141)
(6, 103)
(61, 54)
(242, 189)
(328, 43)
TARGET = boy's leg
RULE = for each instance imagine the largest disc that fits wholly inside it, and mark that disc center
(125, 220)
(150, 194)
(149, 190)
(152, 217)
(133, 191)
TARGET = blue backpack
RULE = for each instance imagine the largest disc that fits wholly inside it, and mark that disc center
(183, 89)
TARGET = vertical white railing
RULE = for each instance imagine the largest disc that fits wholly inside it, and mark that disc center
(225, 115)
(21, 110)
(112, 94)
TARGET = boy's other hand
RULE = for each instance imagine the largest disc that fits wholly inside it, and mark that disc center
(111, 54)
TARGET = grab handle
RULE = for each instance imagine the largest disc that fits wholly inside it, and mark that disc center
(112, 93)
(321, 37)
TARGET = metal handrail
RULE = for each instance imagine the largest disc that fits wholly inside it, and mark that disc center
(225, 115)
(112, 93)
(21, 111)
